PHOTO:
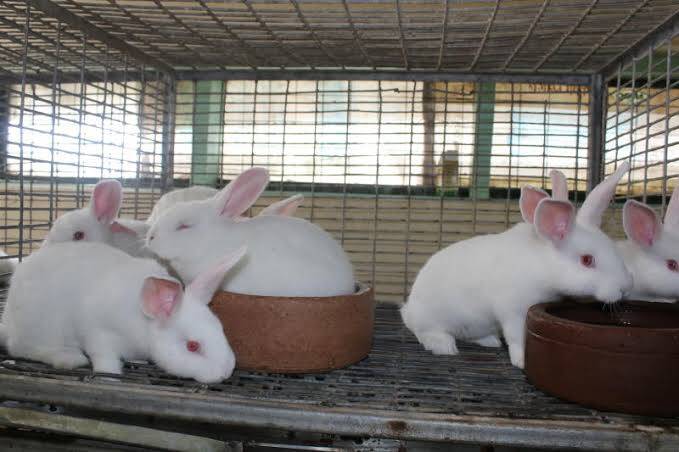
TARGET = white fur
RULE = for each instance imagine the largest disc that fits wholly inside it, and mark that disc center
(124, 234)
(653, 280)
(286, 256)
(479, 288)
(62, 309)
(169, 199)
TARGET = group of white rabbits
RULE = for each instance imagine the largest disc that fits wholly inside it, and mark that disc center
(96, 290)
(478, 289)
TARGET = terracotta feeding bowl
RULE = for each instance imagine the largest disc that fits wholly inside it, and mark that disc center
(616, 358)
(297, 334)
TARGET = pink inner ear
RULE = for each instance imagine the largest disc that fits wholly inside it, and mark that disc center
(530, 197)
(119, 228)
(160, 297)
(244, 191)
(553, 219)
(640, 223)
(106, 200)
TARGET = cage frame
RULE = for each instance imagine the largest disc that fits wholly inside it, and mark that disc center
(142, 400)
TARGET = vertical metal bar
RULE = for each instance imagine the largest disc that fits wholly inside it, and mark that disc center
(578, 131)
(409, 184)
(595, 133)
(649, 77)
(511, 150)
(429, 115)
(285, 136)
(102, 132)
(53, 127)
(80, 189)
(313, 160)
(666, 143)
(377, 184)
(140, 127)
(170, 107)
(22, 104)
(346, 163)
(443, 183)
(632, 113)
(544, 140)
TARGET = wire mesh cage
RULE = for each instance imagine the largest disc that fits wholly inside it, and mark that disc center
(407, 125)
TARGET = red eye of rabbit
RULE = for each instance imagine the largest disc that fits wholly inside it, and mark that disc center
(78, 235)
(672, 265)
(182, 226)
(193, 346)
(587, 260)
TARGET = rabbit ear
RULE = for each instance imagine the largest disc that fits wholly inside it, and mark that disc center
(106, 200)
(205, 284)
(554, 220)
(286, 207)
(160, 297)
(672, 212)
(640, 223)
(117, 227)
(597, 201)
(242, 192)
(559, 185)
(530, 197)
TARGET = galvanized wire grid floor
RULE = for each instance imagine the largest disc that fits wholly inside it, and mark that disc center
(398, 377)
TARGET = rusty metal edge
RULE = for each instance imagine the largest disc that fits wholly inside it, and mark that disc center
(224, 410)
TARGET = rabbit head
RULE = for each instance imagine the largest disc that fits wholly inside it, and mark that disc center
(176, 229)
(654, 247)
(186, 339)
(587, 259)
(92, 223)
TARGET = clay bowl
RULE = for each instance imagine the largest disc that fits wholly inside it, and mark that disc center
(622, 358)
(297, 334)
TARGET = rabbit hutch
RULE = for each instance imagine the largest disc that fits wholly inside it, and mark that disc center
(406, 125)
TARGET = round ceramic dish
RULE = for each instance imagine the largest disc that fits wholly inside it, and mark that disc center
(297, 334)
(616, 358)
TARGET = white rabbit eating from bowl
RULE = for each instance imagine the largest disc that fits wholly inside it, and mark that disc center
(482, 287)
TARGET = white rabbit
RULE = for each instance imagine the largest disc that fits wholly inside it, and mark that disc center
(285, 207)
(169, 199)
(478, 288)
(98, 222)
(70, 302)
(287, 256)
(651, 251)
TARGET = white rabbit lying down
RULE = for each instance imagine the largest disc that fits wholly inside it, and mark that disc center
(72, 301)
(286, 256)
(478, 288)
(651, 251)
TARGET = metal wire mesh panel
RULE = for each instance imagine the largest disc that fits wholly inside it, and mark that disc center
(546, 37)
(72, 110)
(642, 125)
(394, 169)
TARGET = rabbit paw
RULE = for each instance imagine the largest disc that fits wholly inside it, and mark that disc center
(68, 359)
(516, 356)
(489, 341)
(439, 343)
